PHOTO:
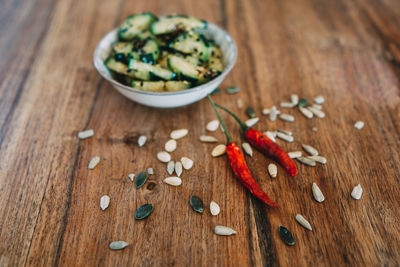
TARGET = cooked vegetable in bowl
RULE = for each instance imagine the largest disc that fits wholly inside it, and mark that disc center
(169, 53)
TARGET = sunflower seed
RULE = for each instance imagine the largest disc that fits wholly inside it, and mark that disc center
(142, 140)
(287, 105)
(251, 122)
(170, 145)
(310, 150)
(286, 236)
(131, 176)
(170, 167)
(306, 161)
(273, 170)
(196, 203)
(294, 98)
(285, 137)
(317, 106)
(223, 230)
(319, 113)
(144, 211)
(308, 114)
(214, 208)
(357, 192)
(218, 150)
(359, 125)
(178, 134)
(314, 129)
(239, 103)
(319, 159)
(250, 112)
(266, 111)
(247, 149)
(319, 99)
(212, 126)
(150, 171)
(116, 245)
(186, 163)
(85, 134)
(93, 162)
(273, 114)
(302, 102)
(178, 168)
(173, 180)
(163, 156)
(301, 220)
(285, 132)
(141, 179)
(286, 117)
(104, 202)
(271, 135)
(317, 193)
(208, 139)
(295, 154)
(232, 90)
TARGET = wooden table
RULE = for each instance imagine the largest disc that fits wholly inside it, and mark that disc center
(347, 51)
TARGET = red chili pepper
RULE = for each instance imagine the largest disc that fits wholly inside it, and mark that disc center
(240, 168)
(258, 140)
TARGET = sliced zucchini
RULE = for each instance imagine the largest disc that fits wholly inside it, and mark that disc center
(149, 86)
(215, 65)
(184, 69)
(150, 52)
(147, 72)
(117, 66)
(176, 85)
(134, 25)
(170, 24)
(123, 48)
(191, 42)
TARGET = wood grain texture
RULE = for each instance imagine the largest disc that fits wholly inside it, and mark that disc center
(347, 51)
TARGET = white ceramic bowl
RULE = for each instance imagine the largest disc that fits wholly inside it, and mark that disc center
(169, 99)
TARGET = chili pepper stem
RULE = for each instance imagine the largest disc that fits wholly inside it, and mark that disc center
(242, 125)
(228, 136)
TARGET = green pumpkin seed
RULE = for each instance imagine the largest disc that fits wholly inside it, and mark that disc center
(232, 90)
(250, 112)
(144, 211)
(286, 236)
(216, 91)
(117, 245)
(302, 102)
(197, 204)
(141, 179)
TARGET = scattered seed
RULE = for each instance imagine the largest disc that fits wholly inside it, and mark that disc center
(287, 105)
(310, 150)
(117, 245)
(163, 156)
(239, 103)
(295, 99)
(223, 230)
(93, 162)
(286, 117)
(213, 125)
(150, 171)
(170, 167)
(273, 113)
(266, 111)
(232, 90)
(301, 220)
(285, 132)
(216, 91)
(131, 176)
(319, 159)
(357, 192)
(273, 170)
(302, 102)
(214, 208)
(314, 129)
(186, 163)
(173, 180)
(218, 150)
(271, 135)
(319, 99)
(142, 140)
(308, 114)
(85, 134)
(317, 193)
(286, 236)
(104, 202)
(285, 137)
(208, 139)
(170, 145)
(317, 106)
(178, 134)
(359, 125)
(196, 203)
(295, 154)
(178, 168)
(141, 179)
(247, 149)
(250, 112)
(144, 211)
(317, 112)
(307, 161)
(251, 122)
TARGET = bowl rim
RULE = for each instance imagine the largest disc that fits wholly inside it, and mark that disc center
(200, 87)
